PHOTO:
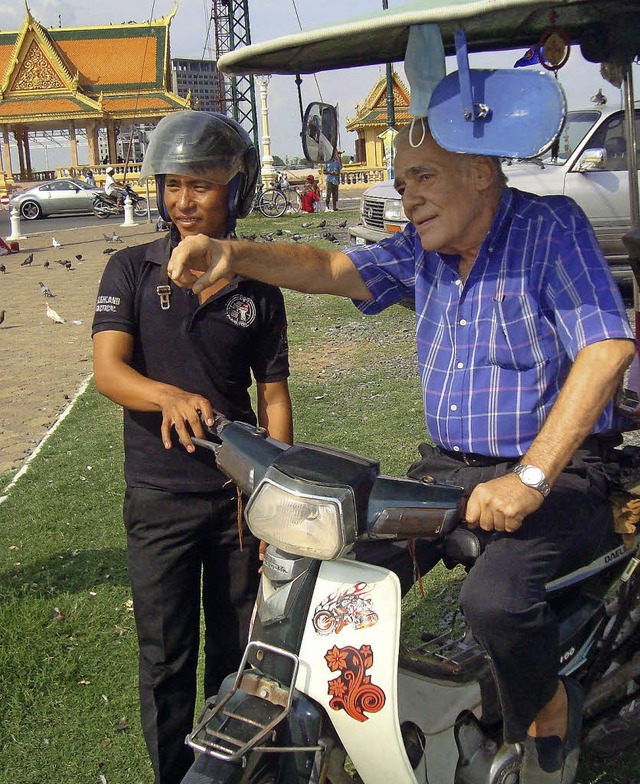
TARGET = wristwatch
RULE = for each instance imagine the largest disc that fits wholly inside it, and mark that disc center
(532, 476)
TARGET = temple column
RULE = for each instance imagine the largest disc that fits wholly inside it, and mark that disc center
(19, 144)
(27, 154)
(74, 148)
(92, 142)
(111, 141)
(7, 152)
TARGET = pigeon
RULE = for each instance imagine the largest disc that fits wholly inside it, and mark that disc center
(343, 224)
(3, 268)
(3, 313)
(55, 317)
(305, 225)
(27, 262)
(327, 235)
(60, 262)
(106, 237)
(68, 264)
(55, 243)
(45, 290)
(296, 237)
(79, 256)
(322, 224)
(115, 238)
(46, 265)
(109, 250)
(277, 233)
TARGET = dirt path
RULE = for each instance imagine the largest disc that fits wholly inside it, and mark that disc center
(42, 364)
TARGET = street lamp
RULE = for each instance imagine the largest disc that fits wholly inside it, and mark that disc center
(268, 173)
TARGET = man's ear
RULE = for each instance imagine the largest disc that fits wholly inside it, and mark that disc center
(483, 171)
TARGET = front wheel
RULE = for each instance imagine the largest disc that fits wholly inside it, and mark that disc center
(30, 210)
(273, 203)
(140, 208)
(101, 211)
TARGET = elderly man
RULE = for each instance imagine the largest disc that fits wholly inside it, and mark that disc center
(522, 340)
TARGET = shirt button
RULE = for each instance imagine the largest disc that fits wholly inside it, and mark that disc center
(458, 282)
(460, 365)
(463, 322)
(456, 448)
(454, 407)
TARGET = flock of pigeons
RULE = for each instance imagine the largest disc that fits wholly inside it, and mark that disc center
(113, 239)
(45, 290)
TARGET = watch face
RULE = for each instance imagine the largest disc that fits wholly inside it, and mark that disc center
(532, 475)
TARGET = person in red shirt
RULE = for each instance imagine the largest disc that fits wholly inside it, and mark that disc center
(309, 195)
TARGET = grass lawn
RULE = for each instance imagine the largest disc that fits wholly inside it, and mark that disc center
(68, 653)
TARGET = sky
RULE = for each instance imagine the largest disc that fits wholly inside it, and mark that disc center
(270, 19)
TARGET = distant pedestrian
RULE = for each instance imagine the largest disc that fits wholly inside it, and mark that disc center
(89, 178)
(332, 171)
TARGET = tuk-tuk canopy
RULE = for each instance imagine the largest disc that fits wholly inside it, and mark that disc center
(608, 30)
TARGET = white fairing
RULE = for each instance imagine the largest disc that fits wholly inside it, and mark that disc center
(371, 734)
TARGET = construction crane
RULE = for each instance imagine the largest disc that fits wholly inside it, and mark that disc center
(237, 95)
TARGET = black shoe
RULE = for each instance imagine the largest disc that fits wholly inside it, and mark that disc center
(551, 760)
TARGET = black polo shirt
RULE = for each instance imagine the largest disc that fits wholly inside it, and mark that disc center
(211, 349)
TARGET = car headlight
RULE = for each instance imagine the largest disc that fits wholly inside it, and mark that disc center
(301, 518)
(394, 211)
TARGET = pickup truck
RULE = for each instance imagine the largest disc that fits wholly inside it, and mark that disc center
(589, 164)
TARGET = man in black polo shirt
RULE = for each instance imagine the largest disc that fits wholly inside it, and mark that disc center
(171, 358)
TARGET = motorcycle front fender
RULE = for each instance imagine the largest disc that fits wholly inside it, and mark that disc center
(349, 665)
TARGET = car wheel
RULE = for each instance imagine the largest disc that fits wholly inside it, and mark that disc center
(30, 210)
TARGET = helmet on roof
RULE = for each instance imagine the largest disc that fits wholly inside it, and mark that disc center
(206, 145)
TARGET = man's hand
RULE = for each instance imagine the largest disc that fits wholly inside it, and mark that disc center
(185, 412)
(199, 253)
(501, 504)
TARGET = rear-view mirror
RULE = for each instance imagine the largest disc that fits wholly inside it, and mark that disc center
(320, 132)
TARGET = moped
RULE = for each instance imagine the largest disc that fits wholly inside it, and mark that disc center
(325, 691)
(105, 206)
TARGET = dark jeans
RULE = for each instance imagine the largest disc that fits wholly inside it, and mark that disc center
(183, 550)
(503, 596)
(332, 194)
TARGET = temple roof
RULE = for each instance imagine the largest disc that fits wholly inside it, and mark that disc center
(373, 111)
(62, 73)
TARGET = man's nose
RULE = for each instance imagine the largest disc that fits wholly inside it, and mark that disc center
(185, 200)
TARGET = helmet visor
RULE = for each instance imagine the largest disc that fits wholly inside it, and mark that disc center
(194, 144)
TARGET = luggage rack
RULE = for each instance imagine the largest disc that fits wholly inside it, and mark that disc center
(454, 653)
(249, 713)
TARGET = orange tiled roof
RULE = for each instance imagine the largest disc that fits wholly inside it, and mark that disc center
(42, 107)
(135, 103)
(125, 61)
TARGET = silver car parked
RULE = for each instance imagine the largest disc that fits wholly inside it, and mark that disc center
(55, 197)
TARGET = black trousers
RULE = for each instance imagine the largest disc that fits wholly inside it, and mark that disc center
(332, 194)
(183, 552)
(503, 596)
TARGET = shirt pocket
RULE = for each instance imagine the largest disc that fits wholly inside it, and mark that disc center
(516, 341)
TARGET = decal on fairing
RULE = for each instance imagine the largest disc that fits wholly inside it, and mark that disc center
(350, 605)
(352, 691)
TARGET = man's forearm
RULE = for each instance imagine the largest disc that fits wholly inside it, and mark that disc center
(590, 385)
(300, 267)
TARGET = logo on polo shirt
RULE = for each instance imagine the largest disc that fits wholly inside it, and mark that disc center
(241, 311)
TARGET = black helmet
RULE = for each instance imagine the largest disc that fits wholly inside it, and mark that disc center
(208, 145)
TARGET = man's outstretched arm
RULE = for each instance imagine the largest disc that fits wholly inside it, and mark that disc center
(299, 267)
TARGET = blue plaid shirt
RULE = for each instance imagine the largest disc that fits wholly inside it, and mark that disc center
(495, 351)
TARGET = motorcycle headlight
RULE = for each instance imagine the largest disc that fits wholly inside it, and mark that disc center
(301, 518)
(393, 210)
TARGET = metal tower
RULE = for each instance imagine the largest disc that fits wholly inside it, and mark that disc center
(237, 93)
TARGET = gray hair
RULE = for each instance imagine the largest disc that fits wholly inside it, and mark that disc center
(406, 132)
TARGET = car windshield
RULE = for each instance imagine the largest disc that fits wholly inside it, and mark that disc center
(576, 127)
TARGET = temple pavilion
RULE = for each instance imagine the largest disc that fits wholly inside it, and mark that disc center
(370, 121)
(78, 81)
